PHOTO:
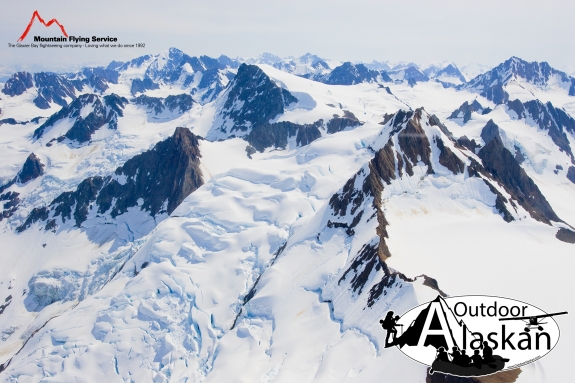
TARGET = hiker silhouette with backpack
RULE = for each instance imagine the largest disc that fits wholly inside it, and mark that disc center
(389, 324)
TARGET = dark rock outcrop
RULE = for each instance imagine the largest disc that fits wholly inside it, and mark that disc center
(179, 103)
(175, 103)
(265, 136)
(467, 143)
(52, 88)
(491, 83)
(414, 143)
(554, 120)
(337, 123)
(17, 84)
(466, 109)
(451, 70)
(253, 99)
(32, 169)
(501, 164)
(156, 181)
(571, 174)
(140, 86)
(351, 74)
(565, 235)
(153, 104)
(102, 113)
(9, 204)
(448, 159)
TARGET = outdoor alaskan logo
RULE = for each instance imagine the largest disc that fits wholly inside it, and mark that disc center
(472, 335)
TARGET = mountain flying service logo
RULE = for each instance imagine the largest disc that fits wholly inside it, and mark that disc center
(472, 335)
(65, 37)
(35, 16)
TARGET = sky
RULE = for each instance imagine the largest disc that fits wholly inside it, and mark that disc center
(422, 31)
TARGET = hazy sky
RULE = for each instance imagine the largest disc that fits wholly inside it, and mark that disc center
(423, 31)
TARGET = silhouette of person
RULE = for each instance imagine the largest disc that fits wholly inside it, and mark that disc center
(442, 355)
(487, 352)
(455, 355)
(476, 359)
(465, 359)
(389, 324)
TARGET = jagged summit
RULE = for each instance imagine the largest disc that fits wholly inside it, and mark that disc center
(542, 75)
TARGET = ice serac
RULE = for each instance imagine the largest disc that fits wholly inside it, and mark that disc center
(156, 181)
(18, 84)
(89, 112)
(491, 84)
(501, 164)
(252, 99)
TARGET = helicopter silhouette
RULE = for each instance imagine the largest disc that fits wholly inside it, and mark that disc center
(534, 321)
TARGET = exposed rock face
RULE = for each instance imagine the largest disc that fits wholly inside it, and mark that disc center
(492, 82)
(504, 168)
(213, 84)
(152, 104)
(451, 71)
(547, 117)
(140, 86)
(265, 136)
(252, 99)
(565, 235)
(179, 103)
(350, 74)
(17, 84)
(467, 143)
(98, 78)
(448, 159)
(571, 174)
(9, 203)
(52, 88)
(414, 143)
(337, 123)
(100, 113)
(156, 181)
(32, 169)
(466, 109)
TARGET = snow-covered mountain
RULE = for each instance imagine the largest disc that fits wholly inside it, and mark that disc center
(190, 219)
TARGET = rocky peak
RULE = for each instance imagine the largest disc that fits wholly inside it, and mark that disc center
(503, 167)
(466, 109)
(252, 98)
(350, 74)
(450, 70)
(491, 83)
(17, 84)
(156, 181)
(32, 169)
(99, 114)
(52, 88)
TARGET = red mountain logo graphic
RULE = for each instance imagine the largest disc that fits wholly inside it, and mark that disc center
(40, 19)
